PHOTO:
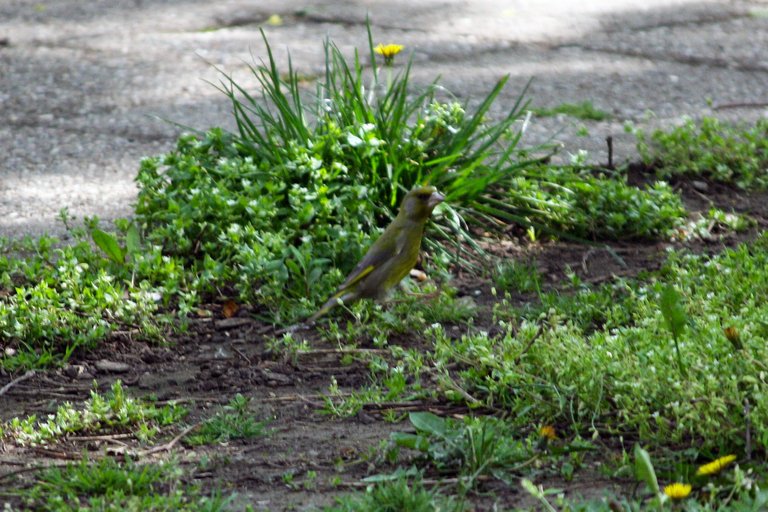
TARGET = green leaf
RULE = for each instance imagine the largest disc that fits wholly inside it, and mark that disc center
(398, 474)
(132, 240)
(108, 243)
(429, 423)
(672, 308)
(644, 469)
(410, 441)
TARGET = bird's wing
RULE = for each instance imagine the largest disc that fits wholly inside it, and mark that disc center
(383, 250)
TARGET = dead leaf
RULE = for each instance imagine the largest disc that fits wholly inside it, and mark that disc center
(230, 309)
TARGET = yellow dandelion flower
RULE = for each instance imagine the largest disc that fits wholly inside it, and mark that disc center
(677, 490)
(388, 51)
(715, 466)
(548, 432)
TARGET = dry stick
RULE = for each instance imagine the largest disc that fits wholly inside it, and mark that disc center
(425, 481)
(242, 355)
(585, 258)
(15, 381)
(110, 439)
(609, 141)
(170, 444)
(49, 394)
(293, 398)
(310, 402)
(758, 104)
(343, 351)
(462, 392)
(30, 469)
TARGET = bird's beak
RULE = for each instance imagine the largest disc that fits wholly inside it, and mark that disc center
(435, 199)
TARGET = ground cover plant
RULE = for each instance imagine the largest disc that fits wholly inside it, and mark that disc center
(512, 381)
(585, 110)
(115, 411)
(711, 149)
(111, 485)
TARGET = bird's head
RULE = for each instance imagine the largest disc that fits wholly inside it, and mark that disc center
(419, 203)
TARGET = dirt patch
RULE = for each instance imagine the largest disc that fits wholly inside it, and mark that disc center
(310, 457)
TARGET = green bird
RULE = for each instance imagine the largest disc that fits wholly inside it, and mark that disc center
(392, 256)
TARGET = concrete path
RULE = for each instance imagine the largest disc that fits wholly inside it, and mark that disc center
(83, 84)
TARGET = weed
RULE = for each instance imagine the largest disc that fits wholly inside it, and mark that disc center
(710, 148)
(233, 422)
(61, 299)
(584, 110)
(110, 485)
(395, 495)
(113, 411)
(513, 275)
(475, 448)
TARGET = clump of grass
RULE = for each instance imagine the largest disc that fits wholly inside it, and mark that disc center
(584, 110)
(393, 495)
(509, 275)
(475, 448)
(111, 485)
(710, 148)
(233, 422)
(114, 411)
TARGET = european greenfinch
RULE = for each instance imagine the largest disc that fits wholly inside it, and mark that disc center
(392, 255)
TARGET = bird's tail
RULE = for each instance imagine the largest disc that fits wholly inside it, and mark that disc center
(329, 305)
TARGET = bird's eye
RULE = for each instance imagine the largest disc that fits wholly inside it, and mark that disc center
(424, 196)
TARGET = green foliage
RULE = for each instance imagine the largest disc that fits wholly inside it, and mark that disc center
(584, 110)
(57, 300)
(715, 224)
(509, 275)
(575, 201)
(287, 205)
(395, 496)
(644, 470)
(675, 319)
(108, 485)
(108, 244)
(710, 148)
(588, 308)
(115, 411)
(475, 447)
(623, 375)
(304, 186)
(233, 422)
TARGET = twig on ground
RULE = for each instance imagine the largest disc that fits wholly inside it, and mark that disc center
(30, 469)
(747, 104)
(4, 389)
(343, 351)
(245, 357)
(170, 444)
(115, 438)
(469, 398)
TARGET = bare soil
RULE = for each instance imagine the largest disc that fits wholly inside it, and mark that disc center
(219, 357)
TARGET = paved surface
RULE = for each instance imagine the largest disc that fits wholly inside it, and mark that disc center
(82, 84)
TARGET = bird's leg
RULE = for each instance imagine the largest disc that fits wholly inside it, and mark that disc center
(420, 276)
